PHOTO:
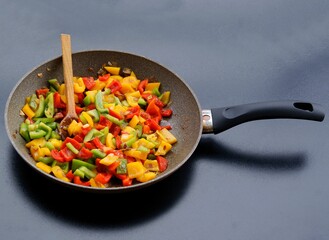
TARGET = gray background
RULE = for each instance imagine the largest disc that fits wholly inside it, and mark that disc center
(261, 180)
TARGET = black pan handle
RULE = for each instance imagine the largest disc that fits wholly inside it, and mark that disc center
(228, 117)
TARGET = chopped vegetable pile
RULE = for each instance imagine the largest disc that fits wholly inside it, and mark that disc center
(118, 138)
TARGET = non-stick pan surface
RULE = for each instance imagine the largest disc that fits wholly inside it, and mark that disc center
(186, 120)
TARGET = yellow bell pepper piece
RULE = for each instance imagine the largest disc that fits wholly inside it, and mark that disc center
(163, 148)
(39, 142)
(151, 165)
(109, 159)
(120, 110)
(134, 121)
(146, 177)
(63, 98)
(141, 119)
(79, 86)
(61, 89)
(108, 98)
(74, 128)
(88, 118)
(132, 101)
(152, 85)
(44, 167)
(108, 141)
(28, 111)
(126, 88)
(94, 183)
(37, 152)
(59, 173)
(99, 85)
(91, 94)
(133, 74)
(143, 142)
(114, 77)
(113, 70)
(132, 81)
(135, 169)
(167, 136)
(56, 143)
(165, 97)
(136, 154)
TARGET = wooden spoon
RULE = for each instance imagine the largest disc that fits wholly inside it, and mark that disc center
(68, 80)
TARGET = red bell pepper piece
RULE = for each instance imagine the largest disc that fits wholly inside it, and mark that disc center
(112, 168)
(79, 138)
(103, 178)
(162, 162)
(91, 106)
(85, 130)
(146, 129)
(104, 121)
(57, 156)
(58, 103)
(104, 78)
(115, 86)
(115, 114)
(142, 85)
(150, 97)
(81, 96)
(77, 180)
(90, 145)
(132, 111)
(67, 154)
(84, 153)
(100, 167)
(127, 181)
(70, 175)
(89, 82)
(98, 143)
(152, 124)
(153, 109)
(166, 112)
(42, 91)
(73, 141)
(118, 141)
(115, 130)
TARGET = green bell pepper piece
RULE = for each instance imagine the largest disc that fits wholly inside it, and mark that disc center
(54, 83)
(41, 108)
(115, 120)
(122, 168)
(37, 134)
(94, 115)
(87, 172)
(79, 173)
(49, 145)
(98, 153)
(45, 128)
(49, 108)
(72, 148)
(87, 100)
(33, 102)
(24, 131)
(99, 102)
(156, 92)
(76, 163)
(46, 160)
(141, 102)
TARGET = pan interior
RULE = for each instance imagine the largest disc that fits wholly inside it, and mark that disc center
(185, 122)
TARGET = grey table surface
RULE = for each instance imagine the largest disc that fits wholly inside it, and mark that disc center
(261, 180)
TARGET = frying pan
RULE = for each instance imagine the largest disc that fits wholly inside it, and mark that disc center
(188, 121)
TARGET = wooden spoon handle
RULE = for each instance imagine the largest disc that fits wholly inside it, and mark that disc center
(68, 73)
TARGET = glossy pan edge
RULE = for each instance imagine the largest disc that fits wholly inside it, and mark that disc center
(186, 120)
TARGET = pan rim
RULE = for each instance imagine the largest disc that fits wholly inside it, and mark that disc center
(110, 189)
